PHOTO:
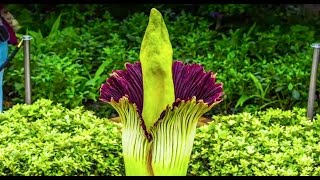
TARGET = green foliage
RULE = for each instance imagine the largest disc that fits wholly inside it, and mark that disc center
(49, 140)
(277, 55)
(274, 58)
(229, 9)
(259, 94)
(269, 143)
(61, 76)
(61, 66)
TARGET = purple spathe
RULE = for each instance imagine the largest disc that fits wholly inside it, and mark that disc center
(190, 80)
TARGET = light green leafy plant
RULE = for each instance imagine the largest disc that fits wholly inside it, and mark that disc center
(47, 139)
(267, 143)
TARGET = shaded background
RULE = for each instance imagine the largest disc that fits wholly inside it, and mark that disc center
(261, 52)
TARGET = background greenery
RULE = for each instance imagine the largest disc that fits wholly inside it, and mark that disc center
(260, 52)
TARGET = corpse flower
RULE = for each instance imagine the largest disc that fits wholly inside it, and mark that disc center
(159, 102)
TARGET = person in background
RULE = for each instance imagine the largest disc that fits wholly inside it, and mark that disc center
(12, 26)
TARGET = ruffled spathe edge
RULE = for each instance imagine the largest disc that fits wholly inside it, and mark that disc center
(190, 80)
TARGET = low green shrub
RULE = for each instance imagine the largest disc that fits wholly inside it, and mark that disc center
(48, 139)
(268, 143)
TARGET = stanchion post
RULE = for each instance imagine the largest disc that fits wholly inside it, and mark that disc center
(313, 80)
(27, 78)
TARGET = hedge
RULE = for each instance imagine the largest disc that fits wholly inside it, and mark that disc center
(269, 143)
(49, 140)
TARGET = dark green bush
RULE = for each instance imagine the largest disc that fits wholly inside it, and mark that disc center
(62, 64)
(228, 9)
(260, 66)
(56, 77)
(279, 60)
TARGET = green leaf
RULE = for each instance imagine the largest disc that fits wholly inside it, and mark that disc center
(257, 83)
(278, 89)
(101, 69)
(290, 86)
(55, 26)
(231, 55)
(242, 100)
(251, 29)
(295, 94)
(97, 76)
(37, 36)
(18, 86)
